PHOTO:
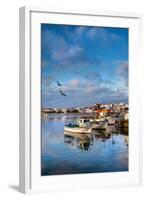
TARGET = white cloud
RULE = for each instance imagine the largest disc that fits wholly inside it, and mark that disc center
(122, 68)
(122, 73)
(74, 83)
(67, 54)
(102, 34)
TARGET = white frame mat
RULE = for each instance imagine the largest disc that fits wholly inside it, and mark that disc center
(30, 101)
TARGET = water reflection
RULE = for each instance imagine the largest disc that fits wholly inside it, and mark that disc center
(81, 141)
(71, 153)
(86, 141)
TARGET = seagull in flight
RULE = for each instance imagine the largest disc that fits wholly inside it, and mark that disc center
(59, 84)
(62, 93)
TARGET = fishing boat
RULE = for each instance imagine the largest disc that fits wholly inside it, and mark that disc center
(100, 125)
(111, 120)
(77, 129)
(81, 126)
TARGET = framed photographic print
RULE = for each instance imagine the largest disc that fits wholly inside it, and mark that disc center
(79, 100)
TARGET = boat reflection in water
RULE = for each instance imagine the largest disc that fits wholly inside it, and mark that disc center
(86, 141)
(81, 141)
(73, 153)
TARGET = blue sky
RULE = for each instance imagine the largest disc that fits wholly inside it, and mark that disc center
(90, 62)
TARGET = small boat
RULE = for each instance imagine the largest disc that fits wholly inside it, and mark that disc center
(111, 120)
(77, 129)
(81, 126)
(101, 125)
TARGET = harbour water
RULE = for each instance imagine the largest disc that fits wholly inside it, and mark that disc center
(66, 153)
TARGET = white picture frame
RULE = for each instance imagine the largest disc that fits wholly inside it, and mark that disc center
(29, 160)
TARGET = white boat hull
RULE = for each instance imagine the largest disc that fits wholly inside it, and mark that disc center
(77, 130)
(111, 120)
(99, 126)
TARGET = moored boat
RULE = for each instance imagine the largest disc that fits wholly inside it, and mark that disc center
(77, 129)
(101, 125)
(111, 120)
(81, 126)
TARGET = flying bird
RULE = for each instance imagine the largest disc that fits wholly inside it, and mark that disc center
(62, 93)
(59, 84)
